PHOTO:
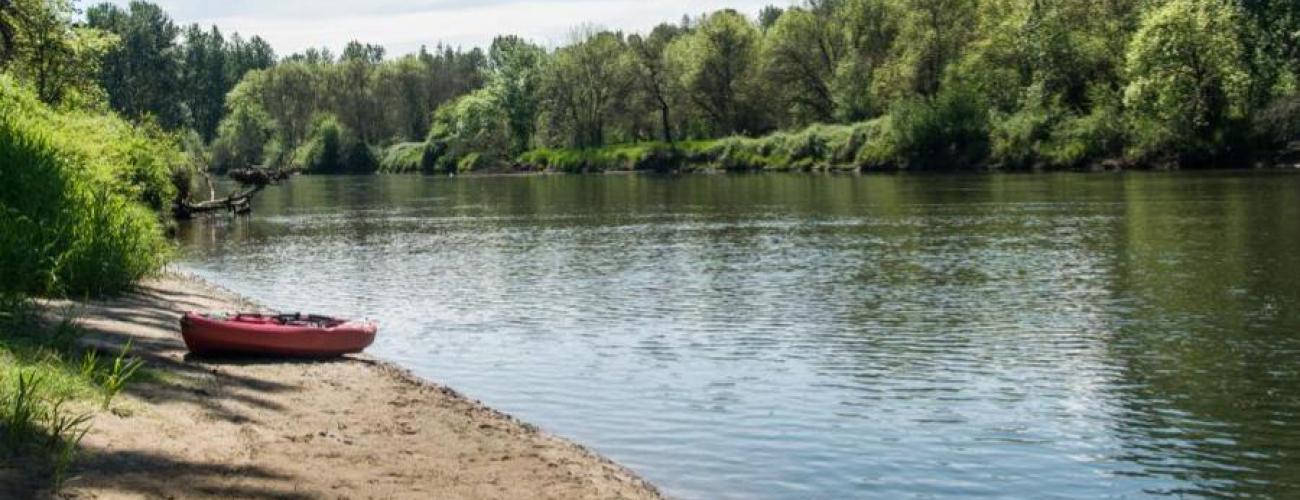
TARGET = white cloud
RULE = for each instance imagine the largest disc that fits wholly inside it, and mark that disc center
(402, 26)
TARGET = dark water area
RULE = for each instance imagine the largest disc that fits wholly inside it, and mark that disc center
(809, 336)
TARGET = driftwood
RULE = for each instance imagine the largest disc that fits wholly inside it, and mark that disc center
(253, 180)
(253, 176)
(239, 203)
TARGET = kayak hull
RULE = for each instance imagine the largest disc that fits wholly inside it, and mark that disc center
(255, 334)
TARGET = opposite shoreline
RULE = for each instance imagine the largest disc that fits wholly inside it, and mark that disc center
(356, 427)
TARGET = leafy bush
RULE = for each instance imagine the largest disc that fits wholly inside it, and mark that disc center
(949, 130)
(473, 124)
(333, 149)
(1016, 140)
(1278, 125)
(403, 157)
(241, 139)
(1079, 140)
(1189, 82)
(74, 196)
(657, 156)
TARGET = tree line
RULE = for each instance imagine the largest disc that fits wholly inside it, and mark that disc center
(829, 83)
(909, 83)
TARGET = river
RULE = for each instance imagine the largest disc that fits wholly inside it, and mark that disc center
(818, 336)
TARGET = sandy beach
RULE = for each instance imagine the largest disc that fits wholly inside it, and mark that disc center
(355, 427)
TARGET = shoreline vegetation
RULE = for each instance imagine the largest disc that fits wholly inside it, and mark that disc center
(868, 85)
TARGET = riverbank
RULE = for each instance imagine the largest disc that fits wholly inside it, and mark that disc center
(355, 427)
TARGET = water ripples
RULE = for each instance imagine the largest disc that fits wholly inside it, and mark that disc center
(1065, 338)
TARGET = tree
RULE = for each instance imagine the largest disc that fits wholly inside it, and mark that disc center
(242, 137)
(932, 36)
(244, 56)
(768, 16)
(468, 132)
(801, 54)
(1188, 79)
(204, 80)
(1271, 44)
(870, 28)
(57, 58)
(514, 67)
(7, 31)
(581, 83)
(353, 90)
(651, 72)
(716, 64)
(141, 74)
(400, 95)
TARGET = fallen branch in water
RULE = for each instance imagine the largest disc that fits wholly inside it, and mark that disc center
(240, 203)
(255, 175)
(254, 179)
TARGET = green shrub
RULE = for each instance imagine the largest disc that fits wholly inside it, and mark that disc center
(242, 138)
(656, 156)
(1079, 140)
(333, 149)
(473, 124)
(1278, 125)
(73, 220)
(948, 131)
(1015, 140)
(403, 157)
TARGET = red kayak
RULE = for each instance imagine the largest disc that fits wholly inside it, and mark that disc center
(285, 335)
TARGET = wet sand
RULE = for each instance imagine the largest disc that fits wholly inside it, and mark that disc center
(355, 427)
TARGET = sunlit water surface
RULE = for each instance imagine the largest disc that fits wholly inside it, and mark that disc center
(803, 336)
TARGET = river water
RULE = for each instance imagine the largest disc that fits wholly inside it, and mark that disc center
(814, 336)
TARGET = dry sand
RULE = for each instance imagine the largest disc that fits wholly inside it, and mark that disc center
(349, 428)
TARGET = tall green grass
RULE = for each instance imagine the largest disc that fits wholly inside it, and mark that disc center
(940, 133)
(819, 147)
(76, 197)
(49, 386)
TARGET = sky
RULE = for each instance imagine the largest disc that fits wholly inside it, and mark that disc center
(403, 26)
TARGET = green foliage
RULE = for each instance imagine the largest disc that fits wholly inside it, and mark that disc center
(119, 373)
(716, 65)
(819, 147)
(47, 50)
(274, 112)
(35, 422)
(332, 148)
(514, 67)
(1189, 84)
(475, 124)
(1278, 125)
(403, 157)
(156, 75)
(626, 157)
(141, 73)
(802, 52)
(948, 131)
(584, 85)
(45, 375)
(72, 194)
(1078, 141)
(942, 83)
(242, 137)
(870, 29)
